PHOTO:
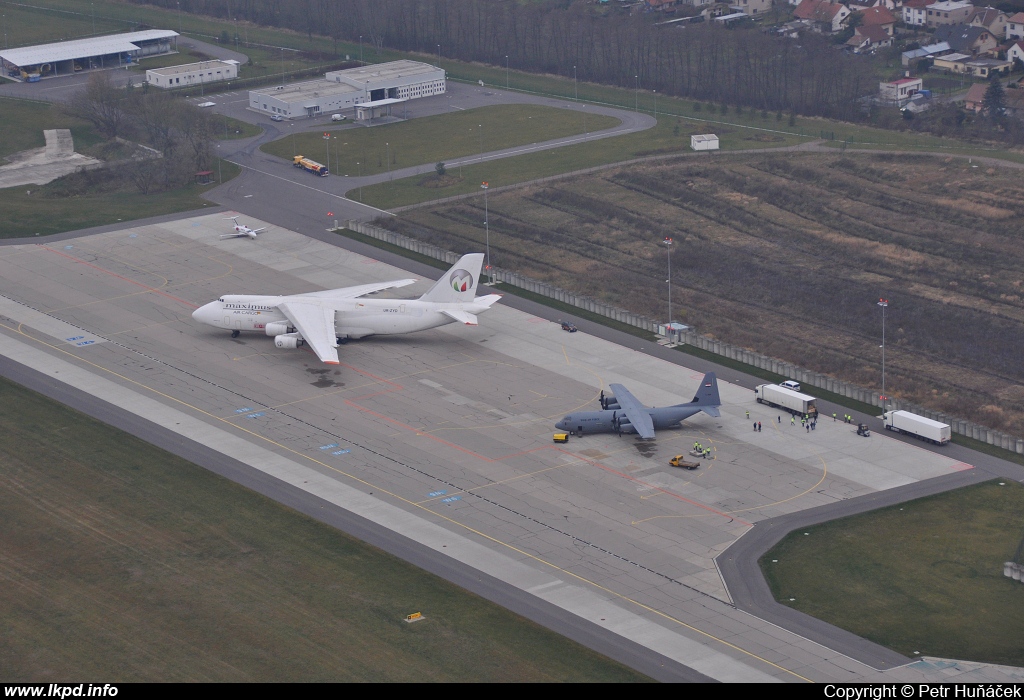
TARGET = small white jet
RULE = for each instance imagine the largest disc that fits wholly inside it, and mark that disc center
(241, 230)
(324, 320)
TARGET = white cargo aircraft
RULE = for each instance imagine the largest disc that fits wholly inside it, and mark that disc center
(323, 320)
(241, 230)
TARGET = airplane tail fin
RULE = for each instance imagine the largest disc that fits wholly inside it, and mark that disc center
(459, 283)
(707, 398)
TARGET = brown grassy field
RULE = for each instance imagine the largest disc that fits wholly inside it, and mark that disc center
(787, 254)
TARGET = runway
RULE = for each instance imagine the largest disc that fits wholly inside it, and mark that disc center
(439, 443)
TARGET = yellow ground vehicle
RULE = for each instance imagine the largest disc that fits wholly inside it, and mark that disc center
(561, 437)
(680, 461)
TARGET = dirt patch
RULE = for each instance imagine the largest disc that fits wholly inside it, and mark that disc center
(436, 182)
(787, 254)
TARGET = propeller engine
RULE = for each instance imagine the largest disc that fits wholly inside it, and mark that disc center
(608, 402)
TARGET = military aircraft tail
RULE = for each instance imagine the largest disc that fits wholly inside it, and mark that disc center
(459, 283)
(707, 398)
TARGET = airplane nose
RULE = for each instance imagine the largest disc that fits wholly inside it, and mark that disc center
(205, 314)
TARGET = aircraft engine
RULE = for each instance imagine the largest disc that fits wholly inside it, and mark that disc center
(612, 405)
(608, 402)
(278, 328)
(288, 340)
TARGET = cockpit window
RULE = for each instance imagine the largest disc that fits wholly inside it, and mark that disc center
(221, 300)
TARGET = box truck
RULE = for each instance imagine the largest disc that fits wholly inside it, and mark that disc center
(781, 397)
(918, 426)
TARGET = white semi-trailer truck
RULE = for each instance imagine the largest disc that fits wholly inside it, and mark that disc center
(918, 426)
(781, 397)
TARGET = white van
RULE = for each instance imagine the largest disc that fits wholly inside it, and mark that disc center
(795, 386)
(337, 117)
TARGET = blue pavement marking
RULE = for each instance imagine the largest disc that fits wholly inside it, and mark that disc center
(68, 247)
(451, 499)
(327, 447)
(435, 494)
(243, 410)
(133, 235)
(341, 452)
(255, 415)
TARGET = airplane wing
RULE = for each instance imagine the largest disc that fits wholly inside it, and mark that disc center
(260, 230)
(358, 291)
(315, 323)
(460, 316)
(634, 410)
(233, 235)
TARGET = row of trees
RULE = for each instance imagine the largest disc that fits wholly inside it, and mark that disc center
(708, 62)
(171, 127)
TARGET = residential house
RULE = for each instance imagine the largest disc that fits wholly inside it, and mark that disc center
(1015, 26)
(1016, 53)
(898, 92)
(952, 62)
(947, 12)
(878, 17)
(662, 5)
(861, 5)
(990, 18)
(976, 41)
(752, 7)
(827, 16)
(987, 67)
(1013, 100)
(869, 38)
(915, 12)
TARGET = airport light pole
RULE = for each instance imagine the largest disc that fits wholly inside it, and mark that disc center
(360, 48)
(327, 139)
(179, 18)
(387, 157)
(884, 303)
(636, 93)
(487, 234)
(655, 105)
(359, 166)
(506, 71)
(668, 251)
(575, 92)
(480, 128)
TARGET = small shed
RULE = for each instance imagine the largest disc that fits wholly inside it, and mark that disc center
(704, 142)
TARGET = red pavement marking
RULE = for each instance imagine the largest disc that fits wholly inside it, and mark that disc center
(120, 277)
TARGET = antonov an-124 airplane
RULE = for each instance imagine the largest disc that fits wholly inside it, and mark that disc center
(323, 320)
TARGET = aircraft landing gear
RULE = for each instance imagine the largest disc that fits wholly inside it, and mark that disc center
(234, 333)
(342, 341)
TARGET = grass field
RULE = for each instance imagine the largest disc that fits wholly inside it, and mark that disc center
(438, 138)
(787, 255)
(668, 137)
(124, 563)
(25, 120)
(925, 577)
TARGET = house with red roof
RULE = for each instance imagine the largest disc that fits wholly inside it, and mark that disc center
(1015, 26)
(828, 16)
(990, 18)
(1016, 53)
(868, 38)
(878, 17)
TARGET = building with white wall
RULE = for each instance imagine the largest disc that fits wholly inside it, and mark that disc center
(192, 74)
(370, 86)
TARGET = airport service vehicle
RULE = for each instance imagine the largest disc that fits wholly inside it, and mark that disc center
(561, 437)
(310, 165)
(623, 413)
(790, 384)
(325, 320)
(780, 397)
(276, 118)
(241, 230)
(863, 430)
(680, 461)
(337, 117)
(918, 426)
(568, 326)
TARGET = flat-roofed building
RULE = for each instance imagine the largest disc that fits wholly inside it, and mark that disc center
(67, 57)
(947, 12)
(192, 74)
(382, 85)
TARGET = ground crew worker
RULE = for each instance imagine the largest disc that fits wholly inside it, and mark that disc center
(792, 420)
(707, 453)
(833, 416)
(748, 415)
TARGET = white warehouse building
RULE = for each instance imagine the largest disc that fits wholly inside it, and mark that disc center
(366, 87)
(192, 74)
